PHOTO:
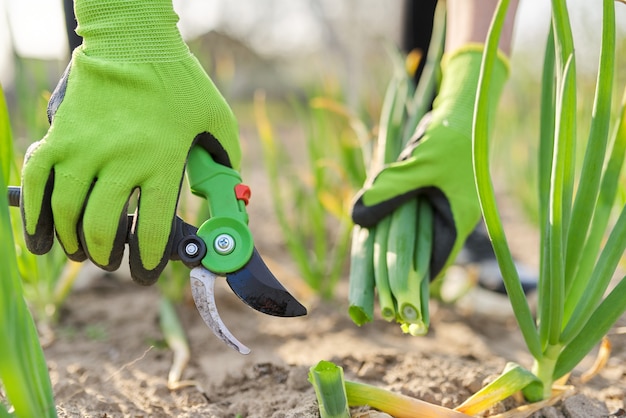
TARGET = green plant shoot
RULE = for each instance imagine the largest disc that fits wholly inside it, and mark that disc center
(23, 369)
(334, 395)
(327, 379)
(574, 309)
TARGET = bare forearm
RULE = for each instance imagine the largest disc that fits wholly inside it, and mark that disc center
(468, 22)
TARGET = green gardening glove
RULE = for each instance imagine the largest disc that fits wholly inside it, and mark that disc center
(123, 118)
(437, 163)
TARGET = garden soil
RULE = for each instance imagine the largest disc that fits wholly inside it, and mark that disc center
(109, 359)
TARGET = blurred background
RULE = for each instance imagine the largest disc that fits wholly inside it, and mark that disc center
(289, 48)
(35, 28)
(280, 45)
(295, 37)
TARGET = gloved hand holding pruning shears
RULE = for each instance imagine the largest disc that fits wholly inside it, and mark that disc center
(132, 109)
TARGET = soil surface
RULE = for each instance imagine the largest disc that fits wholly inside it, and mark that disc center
(109, 358)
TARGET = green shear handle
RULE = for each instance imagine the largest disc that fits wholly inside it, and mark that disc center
(226, 234)
(229, 245)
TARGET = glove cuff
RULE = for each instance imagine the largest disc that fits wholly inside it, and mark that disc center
(130, 30)
(454, 105)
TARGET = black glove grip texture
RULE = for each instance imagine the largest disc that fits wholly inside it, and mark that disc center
(444, 229)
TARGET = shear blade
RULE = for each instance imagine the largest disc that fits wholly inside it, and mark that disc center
(258, 288)
(203, 292)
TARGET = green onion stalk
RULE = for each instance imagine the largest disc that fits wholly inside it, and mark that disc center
(327, 380)
(335, 395)
(574, 310)
(23, 369)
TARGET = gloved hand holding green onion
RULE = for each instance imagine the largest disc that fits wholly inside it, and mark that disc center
(434, 171)
(125, 114)
(437, 163)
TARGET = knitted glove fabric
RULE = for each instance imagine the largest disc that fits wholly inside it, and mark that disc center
(131, 103)
(437, 163)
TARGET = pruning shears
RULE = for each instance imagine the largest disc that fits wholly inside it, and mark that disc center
(222, 246)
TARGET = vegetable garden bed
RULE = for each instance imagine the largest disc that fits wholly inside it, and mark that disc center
(109, 360)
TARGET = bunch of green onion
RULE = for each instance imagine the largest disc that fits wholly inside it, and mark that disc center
(390, 258)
